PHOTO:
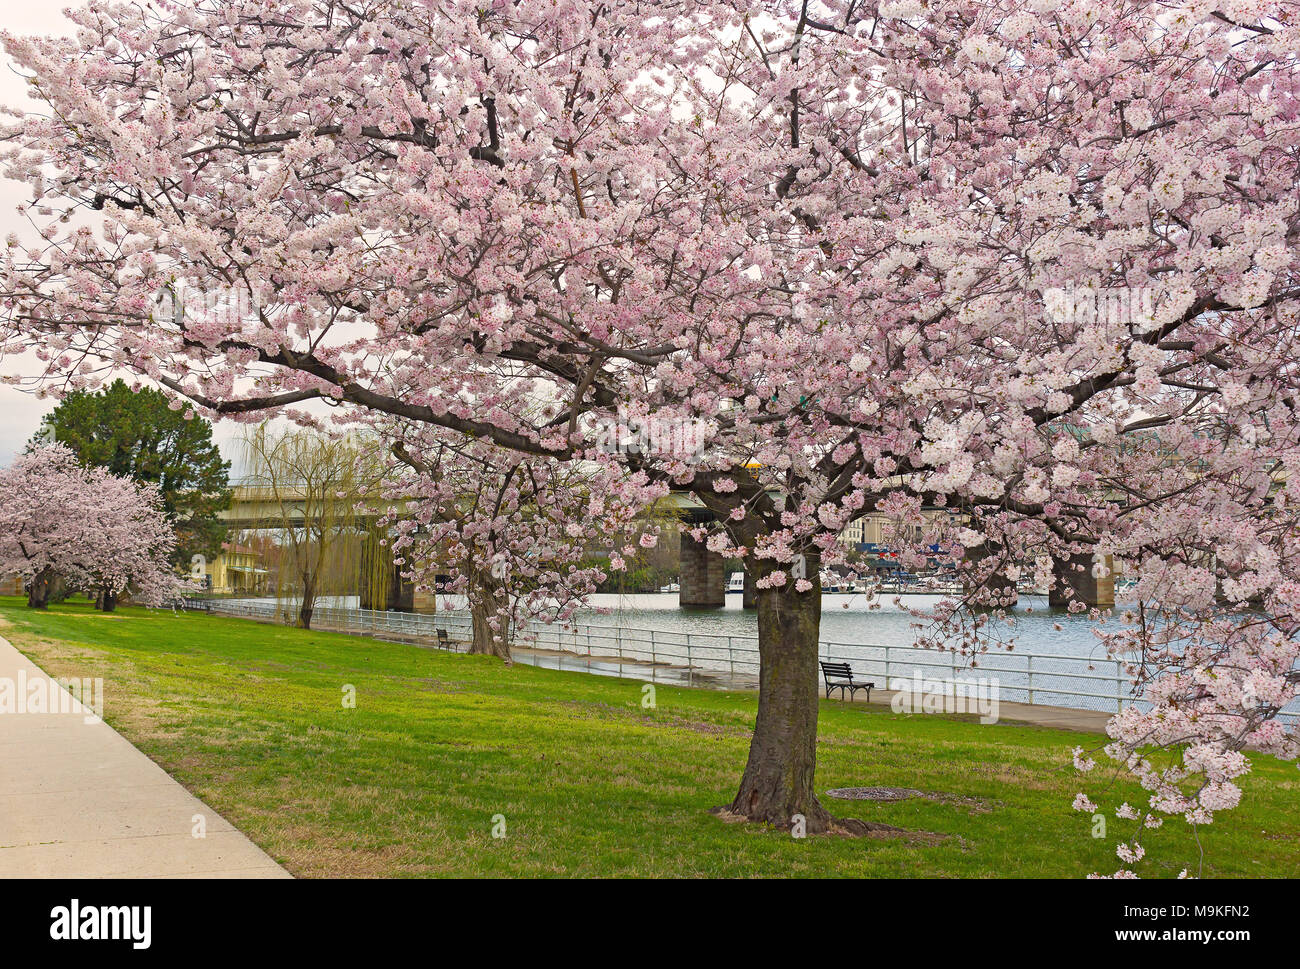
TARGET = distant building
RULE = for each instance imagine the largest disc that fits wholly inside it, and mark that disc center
(869, 531)
(238, 569)
(867, 536)
(852, 536)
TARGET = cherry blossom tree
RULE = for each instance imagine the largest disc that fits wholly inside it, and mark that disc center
(517, 531)
(1034, 264)
(100, 533)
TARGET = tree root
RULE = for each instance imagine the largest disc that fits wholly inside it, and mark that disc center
(844, 828)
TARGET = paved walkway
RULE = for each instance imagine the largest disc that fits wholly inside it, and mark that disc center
(78, 800)
(1036, 714)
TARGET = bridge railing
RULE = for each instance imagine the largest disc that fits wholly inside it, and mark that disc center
(727, 661)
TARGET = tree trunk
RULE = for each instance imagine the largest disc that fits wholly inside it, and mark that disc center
(38, 590)
(489, 602)
(109, 601)
(778, 781)
(308, 604)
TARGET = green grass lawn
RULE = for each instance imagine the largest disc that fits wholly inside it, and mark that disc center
(250, 718)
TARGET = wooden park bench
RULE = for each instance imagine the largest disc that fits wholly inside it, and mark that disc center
(839, 676)
(443, 641)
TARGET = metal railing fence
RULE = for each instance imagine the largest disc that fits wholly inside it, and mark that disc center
(728, 661)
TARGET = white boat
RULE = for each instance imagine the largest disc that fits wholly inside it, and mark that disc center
(671, 587)
(831, 582)
(736, 583)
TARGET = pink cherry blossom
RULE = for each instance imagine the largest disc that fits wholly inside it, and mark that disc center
(100, 533)
(1038, 271)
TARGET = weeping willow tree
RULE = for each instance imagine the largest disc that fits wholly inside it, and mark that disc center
(319, 494)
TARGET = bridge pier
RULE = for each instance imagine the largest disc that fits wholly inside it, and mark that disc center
(703, 576)
(398, 597)
(1075, 573)
(425, 602)
(997, 583)
(381, 586)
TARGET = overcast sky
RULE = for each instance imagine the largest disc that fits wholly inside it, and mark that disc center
(21, 413)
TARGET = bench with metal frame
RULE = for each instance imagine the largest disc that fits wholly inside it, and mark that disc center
(839, 676)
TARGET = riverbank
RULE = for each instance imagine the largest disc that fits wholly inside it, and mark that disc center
(442, 749)
(608, 663)
(688, 658)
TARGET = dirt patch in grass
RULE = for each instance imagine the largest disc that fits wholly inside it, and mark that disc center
(705, 727)
(143, 717)
(43, 651)
(1279, 837)
(874, 793)
(972, 805)
(850, 828)
(1012, 775)
(308, 850)
(855, 828)
(887, 795)
(695, 726)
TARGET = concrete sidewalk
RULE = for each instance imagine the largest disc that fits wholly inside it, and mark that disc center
(78, 800)
(1033, 714)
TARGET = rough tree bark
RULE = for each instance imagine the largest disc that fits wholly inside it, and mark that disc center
(489, 604)
(38, 590)
(778, 779)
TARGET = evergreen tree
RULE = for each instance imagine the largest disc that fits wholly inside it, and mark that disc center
(137, 435)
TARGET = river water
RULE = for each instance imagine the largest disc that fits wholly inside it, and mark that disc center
(848, 620)
(1049, 656)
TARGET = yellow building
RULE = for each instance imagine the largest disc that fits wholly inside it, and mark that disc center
(238, 569)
